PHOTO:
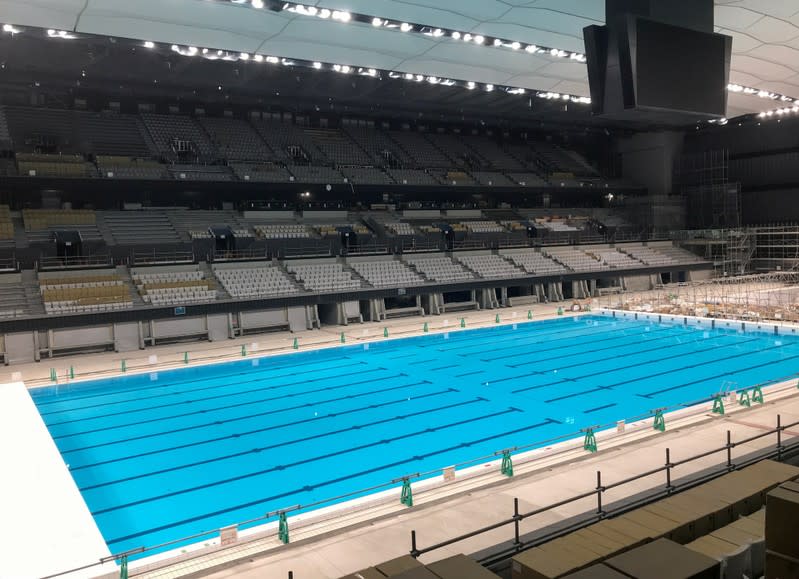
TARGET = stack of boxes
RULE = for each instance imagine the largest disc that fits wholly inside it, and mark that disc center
(782, 532)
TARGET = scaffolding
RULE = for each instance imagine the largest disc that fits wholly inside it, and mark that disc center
(711, 200)
(766, 296)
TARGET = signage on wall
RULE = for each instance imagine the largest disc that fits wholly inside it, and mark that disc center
(180, 311)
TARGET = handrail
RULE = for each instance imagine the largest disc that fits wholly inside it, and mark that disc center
(488, 457)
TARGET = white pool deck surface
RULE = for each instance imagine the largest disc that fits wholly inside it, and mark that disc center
(48, 529)
(45, 526)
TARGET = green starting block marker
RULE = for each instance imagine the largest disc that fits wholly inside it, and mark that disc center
(71, 372)
(343, 339)
(507, 464)
(406, 497)
(744, 399)
(243, 349)
(660, 421)
(53, 375)
(124, 366)
(283, 529)
(718, 405)
(185, 357)
(560, 311)
(463, 322)
(496, 319)
(589, 443)
(757, 395)
(296, 344)
(425, 329)
(123, 567)
(529, 314)
(385, 332)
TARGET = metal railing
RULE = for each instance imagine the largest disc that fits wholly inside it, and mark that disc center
(155, 257)
(516, 517)
(240, 254)
(74, 262)
(598, 492)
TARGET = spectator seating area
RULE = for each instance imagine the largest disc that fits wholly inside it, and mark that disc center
(662, 255)
(616, 259)
(200, 173)
(261, 172)
(112, 167)
(483, 227)
(439, 268)
(366, 176)
(165, 286)
(5, 135)
(166, 129)
(337, 147)
(282, 231)
(400, 228)
(39, 165)
(493, 179)
(38, 219)
(332, 230)
(422, 152)
(320, 175)
(139, 227)
(235, 139)
(527, 179)
(387, 273)
(89, 291)
(111, 134)
(575, 259)
(261, 280)
(535, 263)
(382, 150)
(13, 298)
(6, 224)
(318, 277)
(490, 266)
(413, 177)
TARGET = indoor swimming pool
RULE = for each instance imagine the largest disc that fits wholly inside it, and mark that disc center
(164, 455)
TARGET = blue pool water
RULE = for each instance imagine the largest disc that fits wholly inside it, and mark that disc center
(161, 456)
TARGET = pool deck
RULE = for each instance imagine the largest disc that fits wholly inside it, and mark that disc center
(46, 526)
(332, 546)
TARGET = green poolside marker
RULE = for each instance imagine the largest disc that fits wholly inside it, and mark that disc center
(425, 329)
(496, 319)
(507, 464)
(744, 399)
(53, 375)
(406, 497)
(463, 322)
(529, 314)
(296, 344)
(244, 350)
(71, 372)
(283, 529)
(560, 311)
(343, 339)
(660, 421)
(185, 357)
(718, 405)
(124, 366)
(385, 332)
(123, 567)
(589, 443)
(757, 395)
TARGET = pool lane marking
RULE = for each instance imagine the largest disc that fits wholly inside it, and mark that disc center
(615, 369)
(259, 377)
(636, 339)
(218, 408)
(267, 428)
(665, 372)
(308, 438)
(309, 488)
(470, 373)
(506, 333)
(262, 370)
(723, 375)
(281, 467)
(215, 397)
(598, 408)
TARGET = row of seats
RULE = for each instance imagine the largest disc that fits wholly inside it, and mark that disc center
(576, 260)
(324, 277)
(536, 263)
(490, 266)
(38, 219)
(387, 273)
(483, 227)
(282, 231)
(266, 280)
(439, 269)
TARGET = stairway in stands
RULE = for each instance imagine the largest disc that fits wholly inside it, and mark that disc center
(124, 272)
(208, 273)
(33, 294)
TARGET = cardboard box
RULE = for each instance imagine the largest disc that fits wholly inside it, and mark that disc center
(737, 536)
(460, 567)
(710, 513)
(398, 565)
(417, 573)
(597, 572)
(538, 564)
(660, 526)
(782, 522)
(664, 559)
(685, 531)
(713, 547)
(779, 567)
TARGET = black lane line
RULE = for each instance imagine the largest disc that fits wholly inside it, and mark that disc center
(284, 443)
(636, 340)
(218, 408)
(469, 373)
(616, 369)
(697, 365)
(530, 338)
(265, 428)
(656, 392)
(326, 483)
(262, 370)
(281, 467)
(632, 353)
(214, 397)
(622, 334)
(460, 337)
(444, 368)
(403, 356)
(598, 408)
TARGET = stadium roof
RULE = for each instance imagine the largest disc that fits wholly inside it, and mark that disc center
(370, 34)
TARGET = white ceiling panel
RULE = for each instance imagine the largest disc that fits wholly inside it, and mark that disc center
(765, 36)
